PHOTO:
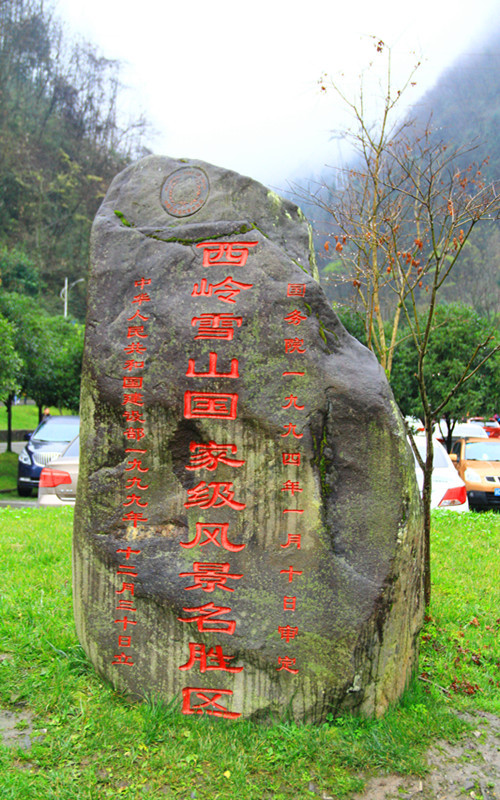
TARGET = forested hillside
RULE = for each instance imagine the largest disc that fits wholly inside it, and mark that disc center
(464, 104)
(61, 142)
(463, 110)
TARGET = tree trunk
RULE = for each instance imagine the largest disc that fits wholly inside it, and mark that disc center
(426, 497)
(8, 404)
(427, 554)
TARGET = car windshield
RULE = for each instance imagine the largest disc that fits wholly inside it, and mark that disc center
(55, 431)
(482, 451)
(439, 460)
(73, 449)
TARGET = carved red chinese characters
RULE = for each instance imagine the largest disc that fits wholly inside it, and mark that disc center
(236, 550)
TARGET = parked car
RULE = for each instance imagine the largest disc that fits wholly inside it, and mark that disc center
(461, 430)
(490, 426)
(448, 488)
(44, 445)
(477, 461)
(58, 480)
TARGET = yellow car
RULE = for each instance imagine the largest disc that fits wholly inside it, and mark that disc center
(478, 464)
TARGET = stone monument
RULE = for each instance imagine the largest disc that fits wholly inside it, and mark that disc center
(248, 532)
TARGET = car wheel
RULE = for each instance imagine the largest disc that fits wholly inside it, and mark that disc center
(23, 491)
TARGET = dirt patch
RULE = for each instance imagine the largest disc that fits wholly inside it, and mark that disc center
(16, 728)
(469, 768)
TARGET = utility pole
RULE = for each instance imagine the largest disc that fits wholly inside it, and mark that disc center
(65, 291)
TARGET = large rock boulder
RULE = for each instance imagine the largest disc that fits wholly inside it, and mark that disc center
(248, 530)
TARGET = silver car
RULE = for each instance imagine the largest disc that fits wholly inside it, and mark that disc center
(58, 480)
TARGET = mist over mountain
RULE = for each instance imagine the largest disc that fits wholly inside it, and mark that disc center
(461, 110)
(463, 107)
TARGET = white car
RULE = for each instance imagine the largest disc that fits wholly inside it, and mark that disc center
(448, 488)
(460, 430)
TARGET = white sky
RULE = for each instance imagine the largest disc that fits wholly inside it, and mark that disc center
(236, 84)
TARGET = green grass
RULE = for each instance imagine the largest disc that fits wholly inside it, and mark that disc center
(25, 417)
(460, 649)
(8, 474)
(98, 745)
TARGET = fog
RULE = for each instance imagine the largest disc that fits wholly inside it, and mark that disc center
(238, 84)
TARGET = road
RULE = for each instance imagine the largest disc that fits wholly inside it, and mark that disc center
(25, 503)
(16, 446)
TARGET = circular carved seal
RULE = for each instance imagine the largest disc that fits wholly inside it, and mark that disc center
(185, 191)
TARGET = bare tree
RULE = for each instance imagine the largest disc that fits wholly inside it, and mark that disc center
(400, 217)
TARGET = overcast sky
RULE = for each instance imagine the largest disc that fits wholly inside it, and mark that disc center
(236, 84)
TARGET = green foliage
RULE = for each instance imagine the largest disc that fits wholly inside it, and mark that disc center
(352, 322)
(18, 273)
(457, 331)
(66, 339)
(10, 363)
(93, 743)
(50, 349)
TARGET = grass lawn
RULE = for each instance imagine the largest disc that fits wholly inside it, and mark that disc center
(95, 744)
(25, 417)
(8, 475)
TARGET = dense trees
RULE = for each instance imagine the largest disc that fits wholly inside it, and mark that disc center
(10, 370)
(61, 143)
(42, 355)
(457, 333)
(458, 330)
